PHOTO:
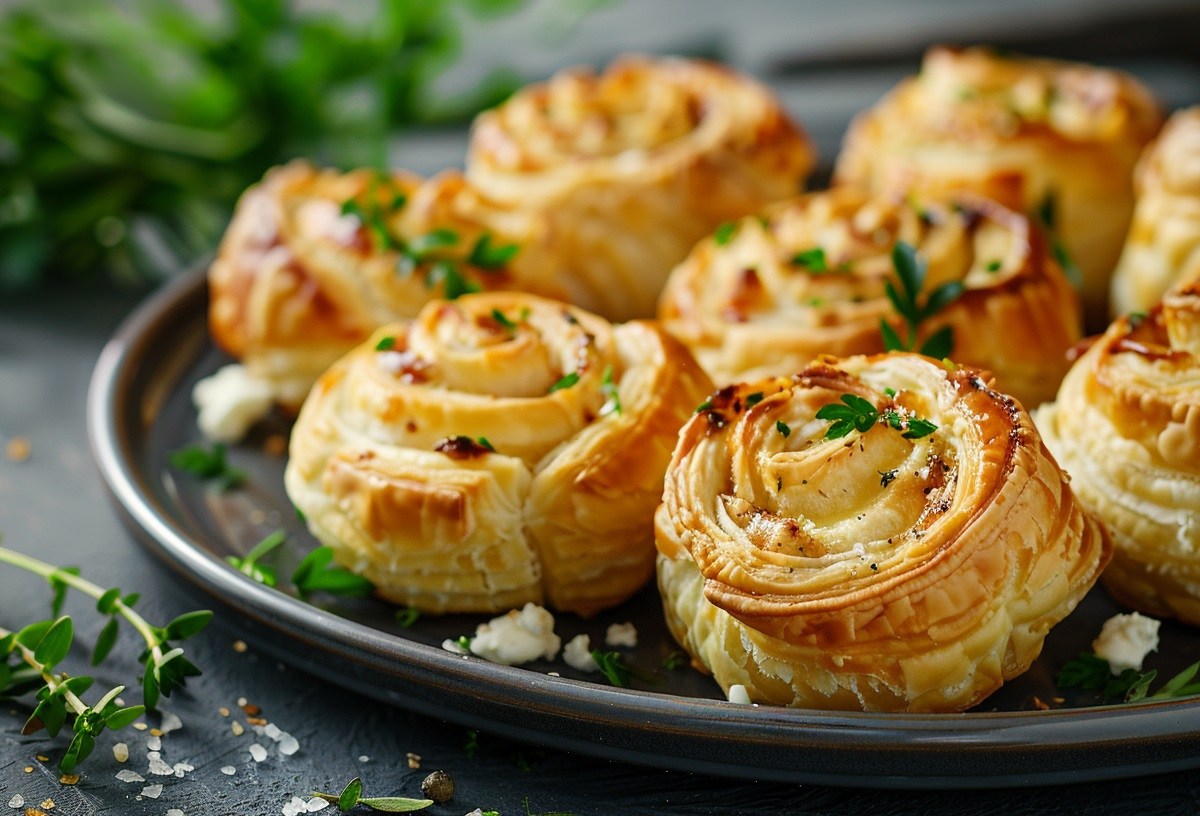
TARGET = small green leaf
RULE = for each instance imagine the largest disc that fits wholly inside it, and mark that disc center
(314, 574)
(105, 641)
(704, 406)
(32, 634)
(79, 749)
(1087, 671)
(909, 268)
(754, 399)
(993, 266)
(567, 381)
(503, 320)
(350, 794)
(188, 624)
(407, 616)
(423, 245)
(123, 717)
(50, 714)
(150, 690)
(674, 660)
(812, 259)
(918, 428)
(207, 464)
(612, 396)
(891, 340)
(107, 603)
(60, 588)
(940, 344)
(454, 285)
(724, 232)
(612, 666)
(55, 644)
(486, 256)
(386, 343)
(395, 804)
(784, 429)
(131, 599)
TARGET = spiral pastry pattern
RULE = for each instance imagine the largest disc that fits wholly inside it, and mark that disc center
(1056, 138)
(1163, 246)
(632, 166)
(809, 276)
(498, 449)
(874, 533)
(1126, 426)
(315, 260)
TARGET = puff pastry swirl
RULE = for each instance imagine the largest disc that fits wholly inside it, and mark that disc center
(300, 278)
(1163, 246)
(888, 569)
(808, 278)
(632, 166)
(498, 449)
(1126, 426)
(1019, 130)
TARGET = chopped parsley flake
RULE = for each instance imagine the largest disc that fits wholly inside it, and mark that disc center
(386, 343)
(566, 382)
(485, 255)
(612, 397)
(724, 233)
(754, 399)
(812, 259)
(783, 428)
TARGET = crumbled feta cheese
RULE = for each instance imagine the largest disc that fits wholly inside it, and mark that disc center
(257, 752)
(578, 654)
(152, 791)
(621, 634)
(1125, 640)
(738, 694)
(229, 402)
(120, 752)
(518, 637)
(454, 647)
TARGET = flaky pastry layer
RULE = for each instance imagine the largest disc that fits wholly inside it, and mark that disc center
(808, 278)
(1163, 245)
(886, 568)
(496, 450)
(1022, 131)
(1126, 426)
(632, 166)
(315, 260)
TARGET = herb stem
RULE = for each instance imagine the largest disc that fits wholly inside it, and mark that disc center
(51, 680)
(48, 571)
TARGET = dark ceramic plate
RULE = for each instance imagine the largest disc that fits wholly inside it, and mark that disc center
(139, 411)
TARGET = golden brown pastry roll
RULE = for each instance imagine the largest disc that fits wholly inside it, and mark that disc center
(874, 533)
(632, 166)
(315, 260)
(1020, 130)
(1126, 426)
(809, 277)
(1163, 246)
(498, 449)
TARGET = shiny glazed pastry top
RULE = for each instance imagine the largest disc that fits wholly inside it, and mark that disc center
(809, 277)
(498, 449)
(632, 166)
(1038, 135)
(875, 533)
(1163, 246)
(1126, 426)
(316, 260)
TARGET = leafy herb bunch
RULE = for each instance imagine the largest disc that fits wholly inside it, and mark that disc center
(29, 657)
(127, 130)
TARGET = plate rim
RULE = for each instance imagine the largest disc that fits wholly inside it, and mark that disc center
(993, 749)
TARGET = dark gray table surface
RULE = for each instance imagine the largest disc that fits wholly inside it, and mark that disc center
(54, 506)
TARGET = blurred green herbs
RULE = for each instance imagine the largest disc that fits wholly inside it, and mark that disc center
(128, 129)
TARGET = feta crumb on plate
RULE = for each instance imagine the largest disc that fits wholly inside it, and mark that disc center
(578, 654)
(229, 402)
(621, 634)
(518, 637)
(1125, 640)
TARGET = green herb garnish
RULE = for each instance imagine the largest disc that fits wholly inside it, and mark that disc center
(208, 464)
(812, 259)
(567, 381)
(484, 443)
(612, 397)
(314, 574)
(407, 616)
(487, 256)
(704, 406)
(454, 285)
(754, 399)
(248, 564)
(386, 343)
(674, 660)
(993, 266)
(1047, 214)
(1136, 319)
(724, 232)
(855, 413)
(503, 320)
(913, 427)
(909, 305)
(351, 797)
(784, 429)
(1093, 673)
(612, 666)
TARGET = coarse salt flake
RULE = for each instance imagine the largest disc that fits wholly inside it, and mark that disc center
(228, 770)
(174, 812)
(738, 694)
(272, 731)
(120, 752)
(158, 767)
(315, 804)
(295, 807)
(152, 791)
(170, 722)
(154, 743)
(181, 768)
(257, 752)
(18, 801)
(288, 744)
(130, 776)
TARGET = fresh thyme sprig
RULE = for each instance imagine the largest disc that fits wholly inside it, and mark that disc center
(248, 564)
(41, 646)
(315, 574)
(207, 463)
(914, 309)
(613, 667)
(612, 397)
(1093, 673)
(351, 797)
(858, 414)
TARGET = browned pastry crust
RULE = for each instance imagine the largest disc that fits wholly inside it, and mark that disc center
(499, 449)
(632, 166)
(872, 571)
(298, 281)
(1126, 426)
(1018, 130)
(1163, 246)
(753, 303)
